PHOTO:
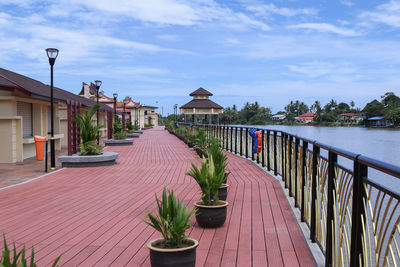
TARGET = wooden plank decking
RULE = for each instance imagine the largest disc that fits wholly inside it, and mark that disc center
(93, 216)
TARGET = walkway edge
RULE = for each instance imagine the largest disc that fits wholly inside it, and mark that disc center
(32, 179)
(316, 252)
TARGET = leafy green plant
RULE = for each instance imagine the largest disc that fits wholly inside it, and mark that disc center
(171, 220)
(18, 259)
(90, 148)
(220, 160)
(129, 126)
(148, 125)
(201, 138)
(88, 131)
(118, 131)
(119, 135)
(209, 180)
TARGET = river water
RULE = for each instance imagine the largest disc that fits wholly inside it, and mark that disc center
(380, 144)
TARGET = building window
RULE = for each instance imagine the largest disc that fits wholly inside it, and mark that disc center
(25, 111)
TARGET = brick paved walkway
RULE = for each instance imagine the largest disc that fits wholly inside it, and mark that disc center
(93, 216)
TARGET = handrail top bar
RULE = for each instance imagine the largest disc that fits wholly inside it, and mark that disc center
(380, 165)
(370, 162)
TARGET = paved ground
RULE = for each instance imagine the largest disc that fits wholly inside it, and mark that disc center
(15, 173)
(93, 216)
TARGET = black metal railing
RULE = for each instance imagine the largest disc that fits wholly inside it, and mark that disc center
(354, 219)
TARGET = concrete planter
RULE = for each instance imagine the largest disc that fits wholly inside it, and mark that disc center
(75, 161)
(132, 135)
(118, 142)
(138, 131)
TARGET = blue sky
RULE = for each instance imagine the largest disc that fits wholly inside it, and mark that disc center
(158, 51)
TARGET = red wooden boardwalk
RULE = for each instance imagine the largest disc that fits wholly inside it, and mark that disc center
(93, 216)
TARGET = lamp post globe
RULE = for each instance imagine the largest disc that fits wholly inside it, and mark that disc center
(52, 54)
(98, 84)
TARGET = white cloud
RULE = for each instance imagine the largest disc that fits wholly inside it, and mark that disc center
(347, 3)
(317, 68)
(169, 37)
(388, 14)
(325, 27)
(266, 10)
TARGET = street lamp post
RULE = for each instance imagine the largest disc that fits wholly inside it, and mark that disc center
(123, 117)
(175, 112)
(52, 54)
(98, 84)
(115, 95)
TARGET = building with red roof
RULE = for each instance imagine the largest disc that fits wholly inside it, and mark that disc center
(306, 117)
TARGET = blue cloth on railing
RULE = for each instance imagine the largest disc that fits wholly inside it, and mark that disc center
(252, 133)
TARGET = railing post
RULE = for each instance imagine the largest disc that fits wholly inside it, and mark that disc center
(313, 222)
(231, 138)
(275, 159)
(283, 158)
(268, 152)
(289, 164)
(332, 161)
(358, 211)
(247, 140)
(236, 140)
(227, 138)
(251, 148)
(303, 178)
(296, 174)
(241, 141)
(262, 149)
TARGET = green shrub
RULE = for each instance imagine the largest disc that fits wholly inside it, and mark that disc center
(90, 148)
(18, 259)
(119, 135)
(209, 180)
(118, 131)
(148, 125)
(88, 132)
(129, 126)
(171, 220)
(201, 138)
(220, 160)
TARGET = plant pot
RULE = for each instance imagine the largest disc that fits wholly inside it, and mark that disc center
(223, 192)
(211, 216)
(199, 151)
(171, 257)
(190, 144)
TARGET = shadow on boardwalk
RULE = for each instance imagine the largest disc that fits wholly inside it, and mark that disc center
(93, 216)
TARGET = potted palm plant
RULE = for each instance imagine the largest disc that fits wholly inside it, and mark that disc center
(211, 210)
(88, 132)
(174, 248)
(220, 163)
(201, 141)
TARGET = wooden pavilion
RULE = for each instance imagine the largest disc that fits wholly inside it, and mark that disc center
(201, 109)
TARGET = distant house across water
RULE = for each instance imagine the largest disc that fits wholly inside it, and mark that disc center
(306, 117)
(378, 122)
(350, 117)
(278, 117)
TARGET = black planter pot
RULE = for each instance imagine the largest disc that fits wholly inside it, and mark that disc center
(223, 192)
(211, 216)
(190, 144)
(178, 257)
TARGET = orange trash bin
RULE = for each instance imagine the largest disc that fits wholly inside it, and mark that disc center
(39, 142)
